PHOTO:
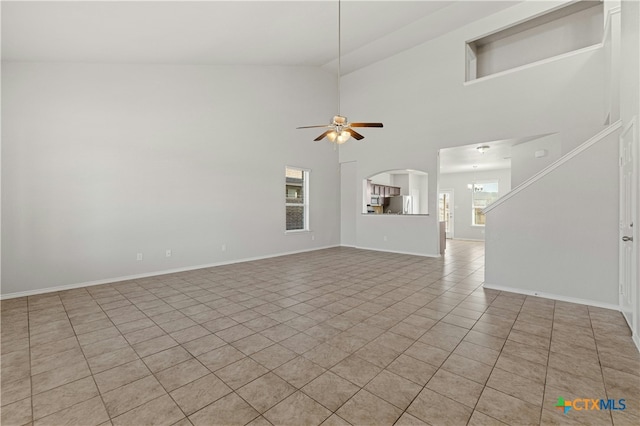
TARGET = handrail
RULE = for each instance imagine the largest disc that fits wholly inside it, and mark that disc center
(551, 167)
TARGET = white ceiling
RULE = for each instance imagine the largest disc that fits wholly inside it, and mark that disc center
(263, 32)
(468, 158)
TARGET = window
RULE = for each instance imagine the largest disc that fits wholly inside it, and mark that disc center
(482, 195)
(297, 199)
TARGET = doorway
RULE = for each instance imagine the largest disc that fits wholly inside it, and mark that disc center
(445, 210)
(628, 237)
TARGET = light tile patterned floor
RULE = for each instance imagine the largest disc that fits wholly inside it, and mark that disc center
(338, 336)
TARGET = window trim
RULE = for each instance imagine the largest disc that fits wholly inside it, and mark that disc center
(306, 173)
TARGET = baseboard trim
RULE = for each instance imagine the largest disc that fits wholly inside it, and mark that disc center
(399, 252)
(552, 296)
(151, 274)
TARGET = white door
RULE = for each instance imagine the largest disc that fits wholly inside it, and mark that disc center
(628, 237)
(445, 210)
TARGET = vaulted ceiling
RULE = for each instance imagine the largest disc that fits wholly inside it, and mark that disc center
(238, 32)
(297, 33)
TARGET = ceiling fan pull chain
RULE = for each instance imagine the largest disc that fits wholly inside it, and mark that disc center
(339, 51)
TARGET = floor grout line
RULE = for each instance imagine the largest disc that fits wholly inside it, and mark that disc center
(355, 279)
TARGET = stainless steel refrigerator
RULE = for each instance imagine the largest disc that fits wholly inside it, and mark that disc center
(400, 204)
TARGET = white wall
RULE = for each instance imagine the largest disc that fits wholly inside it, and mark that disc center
(424, 193)
(462, 219)
(421, 98)
(559, 236)
(101, 162)
(401, 180)
(418, 190)
(349, 203)
(382, 179)
(524, 163)
(578, 30)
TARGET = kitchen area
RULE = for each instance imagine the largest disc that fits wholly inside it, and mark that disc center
(396, 192)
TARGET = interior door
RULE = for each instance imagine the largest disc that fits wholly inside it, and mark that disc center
(628, 237)
(445, 209)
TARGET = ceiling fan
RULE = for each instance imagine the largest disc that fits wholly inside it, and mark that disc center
(340, 130)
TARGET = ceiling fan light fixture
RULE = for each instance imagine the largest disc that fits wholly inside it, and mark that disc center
(343, 137)
(338, 137)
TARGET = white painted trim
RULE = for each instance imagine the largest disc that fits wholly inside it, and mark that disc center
(535, 64)
(521, 21)
(551, 167)
(151, 274)
(399, 252)
(629, 127)
(636, 339)
(475, 240)
(552, 296)
(452, 207)
(394, 215)
(606, 32)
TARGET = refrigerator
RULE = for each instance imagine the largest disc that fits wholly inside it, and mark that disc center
(400, 204)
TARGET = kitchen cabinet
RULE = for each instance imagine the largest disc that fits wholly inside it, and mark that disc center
(385, 190)
(392, 191)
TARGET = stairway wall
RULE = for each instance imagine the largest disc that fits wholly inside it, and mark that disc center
(558, 236)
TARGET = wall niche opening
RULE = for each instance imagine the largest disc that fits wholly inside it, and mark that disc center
(396, 192)
(562, 30)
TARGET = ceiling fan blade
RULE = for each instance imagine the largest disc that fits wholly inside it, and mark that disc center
(365, 124)
(322, 136)
(311, 127)
(356, 135)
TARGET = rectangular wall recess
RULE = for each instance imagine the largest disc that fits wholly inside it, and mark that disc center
(560, 31)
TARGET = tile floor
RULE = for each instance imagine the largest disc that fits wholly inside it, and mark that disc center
(333, 337)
